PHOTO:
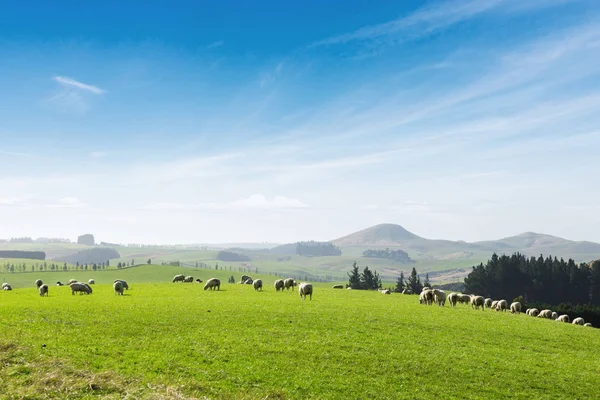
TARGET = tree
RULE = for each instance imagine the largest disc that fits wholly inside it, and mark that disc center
(87, 239)
(231, 279)
(400, 283)
(132, 261)
(414, 282)
(426, 282)
(354, 280)
(149, 261)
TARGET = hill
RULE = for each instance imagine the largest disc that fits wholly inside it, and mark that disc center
(383, 235)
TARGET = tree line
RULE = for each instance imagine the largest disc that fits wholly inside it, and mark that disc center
(30, 255)
(317, 249)
(394, 255)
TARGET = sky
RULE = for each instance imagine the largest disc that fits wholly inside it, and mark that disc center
(270, 121)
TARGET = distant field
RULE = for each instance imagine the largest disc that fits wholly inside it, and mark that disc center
(175, 341)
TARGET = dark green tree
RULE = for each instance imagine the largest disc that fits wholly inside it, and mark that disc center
(354, 280)
(426, 282)
(414, 282)
(400, 283)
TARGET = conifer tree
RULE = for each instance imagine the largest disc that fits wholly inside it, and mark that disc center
(400, 283)
(354, 277)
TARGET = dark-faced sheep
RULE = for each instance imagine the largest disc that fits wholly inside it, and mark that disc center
(5, 284)
(545, 314)
(488, 303)
(248, 281)
(439, 297)
(533, 312)
(38, 283)
(305, 289)
(278, 285)
(178, 278)
(578, 321)
(125, 284)
(289, 283)
(554, 315)
(463, 298)
(258, 284)
(515, 308)
(79, 287)
(43, 289)
(188, 279)
(477, 301)
(563, 318)
(91, 282)
(244, 279)
(426, 297)
(118, 288)
(6, 287)
(59, 283)
(337, 287)
(212, 283)
(502, 305)
(199, 280)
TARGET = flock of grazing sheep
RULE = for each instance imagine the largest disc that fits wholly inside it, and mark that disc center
(80, 287)
(439, 297)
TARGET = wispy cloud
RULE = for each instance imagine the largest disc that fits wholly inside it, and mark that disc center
(72, 83)
(98, 154)
(216, 44)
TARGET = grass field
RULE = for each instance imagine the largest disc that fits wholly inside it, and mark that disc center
(165, 340)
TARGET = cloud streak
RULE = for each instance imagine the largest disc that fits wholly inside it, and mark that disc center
(73, 84)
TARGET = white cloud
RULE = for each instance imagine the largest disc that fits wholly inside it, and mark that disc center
(216, 44)
(72, 83)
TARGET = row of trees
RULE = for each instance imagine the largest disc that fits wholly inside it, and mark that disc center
(231, 256)
(366, 280)
(545, 280)
(412, 284)
(394, 255)
(317, 249)
(52, 267)
(30, 255)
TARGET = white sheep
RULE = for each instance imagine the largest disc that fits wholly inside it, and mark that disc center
(249, 281)
(386, 291)
(178, 278)
(118, 288)
(278, 285)
(477, 301)
(289, 283)
(439, 296)
(534, 312)
(337, 287)
(464, 298)
(258, 284)
(545, 314)
(43, 289)
(91, 281)
(6, 287)
(425, 288)
(72, 281)
(213, 283)
(494, 304)
(59, 283)
(488, 303)
(554, 315)
(38, 283)
(587, 324)
(79, 287)
(515, 308)
(578, 321)
(125, 284)
(305, 289)
(426, 297)
(188, 279)
(453, 299)
(244, 279)
(563, 318)
(502, 305)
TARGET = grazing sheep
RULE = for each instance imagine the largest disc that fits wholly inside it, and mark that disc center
(515, 308)
(534, 312)
(59, 283)
(426, 297)
(188, 279)
(257, 284)
(6, 286)
(91, 282)
(406, 291)
(213, 283)
(488, 303)
(72, 281)
(348, 288)
(79, 287)
(118, 287)
(289, 283)
(439, 297)
(464, 298)
(587, 324)
(178, 278)
(305, 289)
(278, 285)
(38, 283)
(477, 301)
(89, 288)
(578, 321)
(244, 279)
(337, 287)
(494, 304)
(248, 281)
(564, 318)
(43, 289)
(125, 285)
(502, 305)
(545, 314)
(386, 291)
(453, 299)
(554, 315)
(199, 280)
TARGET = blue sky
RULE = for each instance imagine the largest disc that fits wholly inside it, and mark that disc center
(282, 121)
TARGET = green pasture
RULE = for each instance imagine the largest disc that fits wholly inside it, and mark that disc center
(164, 340)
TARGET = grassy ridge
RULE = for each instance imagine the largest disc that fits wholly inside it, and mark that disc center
(238, 343)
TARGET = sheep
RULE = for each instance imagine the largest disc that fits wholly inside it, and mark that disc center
(502, 305)
(337, 287)
(305, 289)
(386, 291)
(72, 281)
(439, 296)
(494, 304)
(59, 283)
(515, 308)
(453, 299)
(6, 287)
(244, 279)
(258, 284)
(278, 285)
(43, 289)
(348, 288)
(587, 324)
(213, 283)
(533, 312)
(563, 318)
(188, 279)
(578, 321)
(464, 298)
(289, 283)
(79, 287)
(248, 281)
(178, 278)
(488, 303)
(118, 288)
(125, 285)
(91, 282)
(554, 315)
(426, 297)
(425, 288)
(38, 283)
(406, 291)
(199, 280)
(477, 301)
(545, 314)
(89, 287)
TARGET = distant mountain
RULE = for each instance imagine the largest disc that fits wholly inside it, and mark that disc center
(379, 236)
